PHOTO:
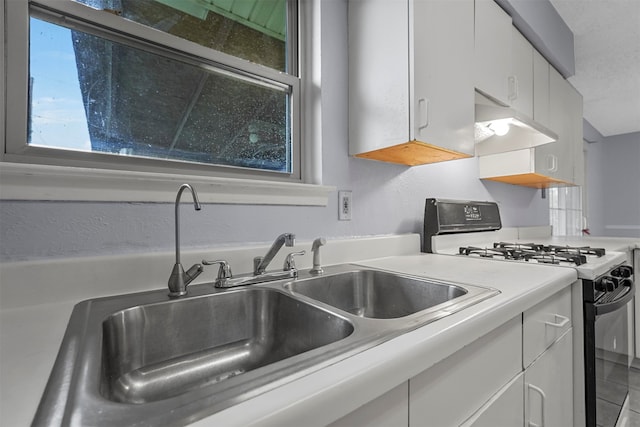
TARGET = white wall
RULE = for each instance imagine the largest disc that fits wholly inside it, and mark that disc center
(386, 198)
(613, 185)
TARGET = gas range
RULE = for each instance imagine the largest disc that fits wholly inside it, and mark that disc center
(474, 229)
(589, 262)
(466, 228)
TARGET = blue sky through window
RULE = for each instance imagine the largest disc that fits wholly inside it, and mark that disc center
(57, 114)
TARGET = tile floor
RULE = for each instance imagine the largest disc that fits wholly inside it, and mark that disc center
(634, 394)
(611, 393)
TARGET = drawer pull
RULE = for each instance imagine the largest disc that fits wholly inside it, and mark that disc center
(561, 322)
(543, 398)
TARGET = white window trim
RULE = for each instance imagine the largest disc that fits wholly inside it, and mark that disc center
(21, 181)
(44, 182)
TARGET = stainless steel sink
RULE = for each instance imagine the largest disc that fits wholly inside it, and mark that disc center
(157, 351)
(377, 294)
(145, 359)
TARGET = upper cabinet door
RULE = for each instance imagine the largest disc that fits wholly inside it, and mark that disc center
(541, 90)
(378, 74)
(443, 95)
(521, 81)
(411, 97)
(556, 159)
(492, 50)
(576, 108)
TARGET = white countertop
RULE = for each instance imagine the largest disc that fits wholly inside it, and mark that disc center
(327, 394)
(331, 393)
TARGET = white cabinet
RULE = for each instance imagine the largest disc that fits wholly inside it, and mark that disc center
(577, 139)
(529, 101)
(506, 408)
(544, 324)
(549, 386)
(556, 160)
(519, 374)
(550, 164)
(541, 90)
(521, 80)
(493, 31)
(411, 97)
(451, 391)
(548, 361)
(390, 409)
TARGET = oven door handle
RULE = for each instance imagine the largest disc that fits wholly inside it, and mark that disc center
(620, 302)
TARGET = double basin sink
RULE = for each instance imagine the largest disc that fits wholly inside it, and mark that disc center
(146, 359)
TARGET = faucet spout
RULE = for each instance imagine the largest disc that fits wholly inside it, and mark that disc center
(179, 279)
(196, 206)
(260, 263)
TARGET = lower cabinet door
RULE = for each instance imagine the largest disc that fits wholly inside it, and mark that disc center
(390, 409)
(452, 390)
(504, 409)
(548, 384)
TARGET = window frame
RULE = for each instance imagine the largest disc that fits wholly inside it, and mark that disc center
(22, 165)
(565, 210)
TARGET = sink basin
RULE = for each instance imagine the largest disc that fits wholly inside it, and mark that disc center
(377, 294)
(157, 351)
(146, 359)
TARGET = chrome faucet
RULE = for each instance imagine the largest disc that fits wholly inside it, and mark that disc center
(179, 279)
(260, 263)
(226, 279)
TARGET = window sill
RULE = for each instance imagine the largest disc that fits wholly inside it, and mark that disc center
(41, 182)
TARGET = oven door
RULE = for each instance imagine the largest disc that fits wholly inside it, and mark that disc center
(608, 356)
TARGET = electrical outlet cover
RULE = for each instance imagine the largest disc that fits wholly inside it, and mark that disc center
(344, 205)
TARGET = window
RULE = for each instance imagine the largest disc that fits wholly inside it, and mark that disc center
(565, 211)
(206, 87)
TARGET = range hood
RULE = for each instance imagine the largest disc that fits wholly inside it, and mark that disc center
(499, 129)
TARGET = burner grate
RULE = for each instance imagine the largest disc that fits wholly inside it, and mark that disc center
(556, 258)
(485, 252)
(519, 246)
(577, 250)
(535, 252)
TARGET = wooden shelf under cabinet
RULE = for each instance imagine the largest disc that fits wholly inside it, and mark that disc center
(413, 153)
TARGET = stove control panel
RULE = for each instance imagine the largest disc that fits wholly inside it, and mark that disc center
(623, 271)
(607, 284)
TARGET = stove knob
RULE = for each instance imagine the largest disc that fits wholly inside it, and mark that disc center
(622, 271)
(606, 284)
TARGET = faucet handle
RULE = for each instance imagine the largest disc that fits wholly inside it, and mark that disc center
(224, 272)
(289, 263)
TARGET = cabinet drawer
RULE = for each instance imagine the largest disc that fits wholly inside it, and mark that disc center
(544, 324)
(452, 390)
